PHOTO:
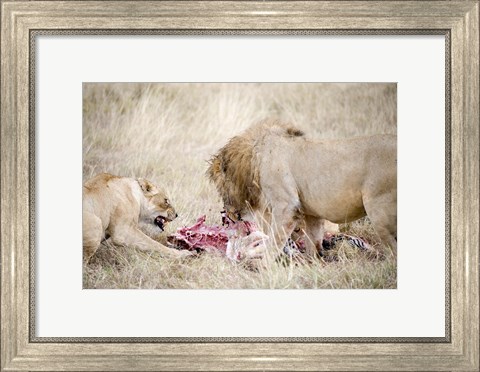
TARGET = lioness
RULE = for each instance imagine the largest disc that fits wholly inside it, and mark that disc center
(272, 170)
(113, 206)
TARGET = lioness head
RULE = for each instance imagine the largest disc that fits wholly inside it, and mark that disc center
(156, 208)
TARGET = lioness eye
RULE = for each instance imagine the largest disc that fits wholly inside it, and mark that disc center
(166, 201)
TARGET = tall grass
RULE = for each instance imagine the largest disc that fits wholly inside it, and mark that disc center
(167, 132)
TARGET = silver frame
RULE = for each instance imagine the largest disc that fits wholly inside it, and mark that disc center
(23, 21)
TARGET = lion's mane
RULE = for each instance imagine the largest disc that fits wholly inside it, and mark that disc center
(234, 169)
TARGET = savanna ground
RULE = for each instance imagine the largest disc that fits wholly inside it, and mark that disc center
(167, 132)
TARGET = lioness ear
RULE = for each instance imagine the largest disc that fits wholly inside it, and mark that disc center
(146, 186)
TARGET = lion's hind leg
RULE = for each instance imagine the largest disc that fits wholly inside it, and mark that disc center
(92, 235)
(382, 211)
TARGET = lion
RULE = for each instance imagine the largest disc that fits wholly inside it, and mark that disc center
(274, 174)
(113, 206)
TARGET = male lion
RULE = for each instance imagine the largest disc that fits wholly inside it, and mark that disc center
(113, 206)
(272, 170)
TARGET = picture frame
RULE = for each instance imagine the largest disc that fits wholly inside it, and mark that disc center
(457, 20)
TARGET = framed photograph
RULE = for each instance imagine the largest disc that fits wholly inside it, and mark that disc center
(185, 170)
(210, 185)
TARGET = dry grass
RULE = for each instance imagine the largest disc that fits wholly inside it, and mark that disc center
(166, 133)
